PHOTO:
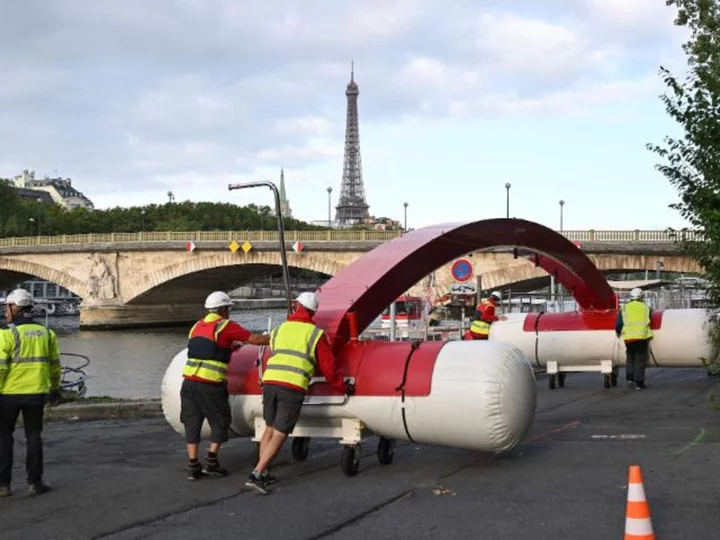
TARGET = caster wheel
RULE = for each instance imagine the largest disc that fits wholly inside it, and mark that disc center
(300, 448)
(606, 381)
(551, 382)
(561, 379)
(386, 451)
(350, 461)
(613, 378)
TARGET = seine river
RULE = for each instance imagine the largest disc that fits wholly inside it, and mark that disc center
(131, 363)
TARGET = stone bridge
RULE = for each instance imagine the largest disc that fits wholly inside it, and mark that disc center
(158, 278)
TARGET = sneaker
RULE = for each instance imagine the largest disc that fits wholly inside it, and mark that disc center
(213, 468)
(630, 384)
(5, 491)
(256, 483)
(38, 488)
(268, 478)
(639, 386)
(194, 471)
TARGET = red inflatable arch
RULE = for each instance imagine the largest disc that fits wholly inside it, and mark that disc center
(352, 299)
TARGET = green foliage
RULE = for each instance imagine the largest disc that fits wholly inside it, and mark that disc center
(16, 213)
(692, 162)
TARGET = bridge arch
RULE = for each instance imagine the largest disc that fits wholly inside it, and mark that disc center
(363, 289)
(606, 263)
(194, 278)
(13, 270)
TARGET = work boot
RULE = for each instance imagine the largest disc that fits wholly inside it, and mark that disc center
(212, 467)
(630, 384)
(640, 386)
(5, 491)
(38, 488)
(194, 471)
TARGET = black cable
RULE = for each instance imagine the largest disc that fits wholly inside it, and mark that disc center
(415, 344)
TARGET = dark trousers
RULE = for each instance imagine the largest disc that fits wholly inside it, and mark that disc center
(32, 411)
(637, 359)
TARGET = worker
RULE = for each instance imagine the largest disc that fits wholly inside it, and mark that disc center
(204, 393)
(30, 375)
(484, 317)
(633, 325)
(297, 347)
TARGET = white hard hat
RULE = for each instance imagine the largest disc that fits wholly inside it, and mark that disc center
(217, 300)
(636, 293)
(20, 298)
(309, 300)
(496, 295)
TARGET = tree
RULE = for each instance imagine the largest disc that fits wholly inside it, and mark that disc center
(692, 162)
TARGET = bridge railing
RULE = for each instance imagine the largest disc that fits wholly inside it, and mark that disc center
(314, 236)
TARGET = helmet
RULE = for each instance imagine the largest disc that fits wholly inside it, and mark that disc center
(217, 300)
(496, 295)
(636, 293)
(309, 300)
(20, 298)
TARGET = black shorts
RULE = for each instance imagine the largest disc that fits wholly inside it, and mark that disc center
(200, 401)
(281, 407)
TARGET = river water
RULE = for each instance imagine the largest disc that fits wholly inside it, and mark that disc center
(131, 363)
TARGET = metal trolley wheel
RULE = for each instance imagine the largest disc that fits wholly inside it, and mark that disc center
(350, 460)
(300, 448)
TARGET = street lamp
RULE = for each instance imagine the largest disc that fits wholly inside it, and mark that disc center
(507, 200)
(329, 190)
(142, 214)
(405, 205)
(32, 221)
(562, 203)
(171, 197)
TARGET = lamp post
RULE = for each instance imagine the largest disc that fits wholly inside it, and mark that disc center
(329, 190)
(32, 225)
(405, 227)
(507, 200)
(562, 203)
(171, 196)
(142, 217)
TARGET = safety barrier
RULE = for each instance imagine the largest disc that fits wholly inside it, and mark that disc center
(328, 235)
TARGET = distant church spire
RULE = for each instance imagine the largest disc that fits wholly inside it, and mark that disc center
(284, 203)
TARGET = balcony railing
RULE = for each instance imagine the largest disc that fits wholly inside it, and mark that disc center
(339, 236)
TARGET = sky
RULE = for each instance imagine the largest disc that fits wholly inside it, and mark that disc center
(558, 98)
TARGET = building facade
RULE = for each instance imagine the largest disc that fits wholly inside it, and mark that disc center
(60, 190)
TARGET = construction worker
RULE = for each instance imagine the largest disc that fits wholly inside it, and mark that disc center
(484, 317)
(297, 346)
(633, 325)
(204, 393)
(30, 375)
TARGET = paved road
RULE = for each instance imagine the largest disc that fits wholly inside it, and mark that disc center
(126, 479)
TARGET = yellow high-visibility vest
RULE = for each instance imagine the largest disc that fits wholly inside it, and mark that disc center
(479, 326)
(29, 360)
(293, 360)
(206, 359)
(636, 321)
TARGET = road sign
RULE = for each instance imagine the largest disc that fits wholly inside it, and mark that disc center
(462, 270)
(463, 288)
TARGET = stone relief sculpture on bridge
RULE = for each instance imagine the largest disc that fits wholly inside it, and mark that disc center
(101, 281)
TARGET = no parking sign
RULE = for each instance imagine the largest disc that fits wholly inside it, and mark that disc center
(462, 270)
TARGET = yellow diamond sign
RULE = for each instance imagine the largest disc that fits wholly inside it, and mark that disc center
(234, 246)
(247, 246)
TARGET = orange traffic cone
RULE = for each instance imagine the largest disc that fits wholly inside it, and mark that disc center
(637, 514)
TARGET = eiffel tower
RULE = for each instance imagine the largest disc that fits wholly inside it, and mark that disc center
(351, 207)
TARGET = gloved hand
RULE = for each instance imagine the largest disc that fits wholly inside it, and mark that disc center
(55, 398)
(349, 389)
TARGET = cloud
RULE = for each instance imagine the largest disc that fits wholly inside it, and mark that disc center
(139, 96)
